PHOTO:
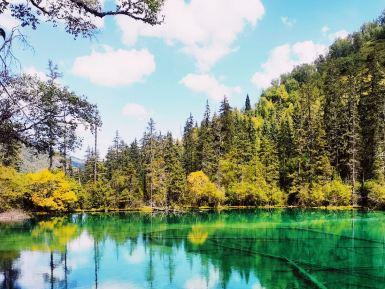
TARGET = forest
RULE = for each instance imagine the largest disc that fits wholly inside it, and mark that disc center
(315, 137)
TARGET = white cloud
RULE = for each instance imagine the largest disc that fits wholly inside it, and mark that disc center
(136, 257)
(201, 283)
(115, 67)
(338, 34)
(209, 85)
(284, 58)
(325, 29)
(81, 244)
(334, 35)
(31, 70)
(135, 110)
(33, 266)
(258, 286)
(206, 30)
(7, 21)
(287, 21)
(118, 285)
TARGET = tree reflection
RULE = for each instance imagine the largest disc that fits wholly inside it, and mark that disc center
(10, 273)
(280, 248)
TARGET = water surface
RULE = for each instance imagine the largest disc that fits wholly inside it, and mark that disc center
(234, 249)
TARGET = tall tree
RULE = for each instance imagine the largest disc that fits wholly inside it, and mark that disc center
(190, 146)
(247, 103)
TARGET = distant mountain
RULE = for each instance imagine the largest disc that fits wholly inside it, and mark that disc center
(77, 162)
(32, 161)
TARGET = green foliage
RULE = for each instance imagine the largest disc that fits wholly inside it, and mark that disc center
(97, 195)
(375, 191)
(331, 193)
(310, 137)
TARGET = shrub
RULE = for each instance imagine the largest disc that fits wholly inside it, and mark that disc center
(337, 193)
(311, 195)
(12, 186)
(332, 193)
(277, 197)
(247, 193)
(375, 191)
(50, 191)
(203, 191)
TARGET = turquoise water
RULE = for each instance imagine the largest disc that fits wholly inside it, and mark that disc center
(251, 249)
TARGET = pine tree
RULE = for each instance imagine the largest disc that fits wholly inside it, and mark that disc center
(227, 126)
(247, 104)
(206, 159)
(175, 175)
(190, 146)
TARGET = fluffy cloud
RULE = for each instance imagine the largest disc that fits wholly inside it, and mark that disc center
(135, 110)
(82, 243)
(115, 67)
(284, 58)
(338, 34)
(325, 29)
(206, 30)
(258, 286)
(209, 85)
(334, 35)
(203, 283)
(287, 21)
(136, 257)
(7, 21)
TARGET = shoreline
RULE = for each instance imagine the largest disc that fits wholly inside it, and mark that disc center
(14, 216)
(18, 216)
(146, 209)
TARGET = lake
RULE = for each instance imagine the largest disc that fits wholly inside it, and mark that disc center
(254, 249)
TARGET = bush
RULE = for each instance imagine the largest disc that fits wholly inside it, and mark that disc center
(12, 187)
(375, 192)
(247, 193)
(50, 191)
(312, 196)
(202, 191)
(277, 197)
(337, 193)
(332, 193)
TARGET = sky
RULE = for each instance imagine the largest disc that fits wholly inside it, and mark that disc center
(205, 49)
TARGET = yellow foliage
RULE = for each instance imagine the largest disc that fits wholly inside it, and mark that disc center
(51, 191)
(204, 191)
(57, 233)
(12, 186)
(198, 235)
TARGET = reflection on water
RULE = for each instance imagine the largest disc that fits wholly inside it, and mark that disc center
(234, 249)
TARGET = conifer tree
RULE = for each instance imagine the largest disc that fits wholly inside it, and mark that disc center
(175, 175)
(190, 146)
(247, 103)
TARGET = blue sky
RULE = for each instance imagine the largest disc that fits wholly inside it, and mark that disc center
(205, 49)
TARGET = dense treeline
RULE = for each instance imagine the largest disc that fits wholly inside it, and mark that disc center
(316, 137)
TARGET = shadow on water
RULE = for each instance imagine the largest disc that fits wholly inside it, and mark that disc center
(233, 249)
